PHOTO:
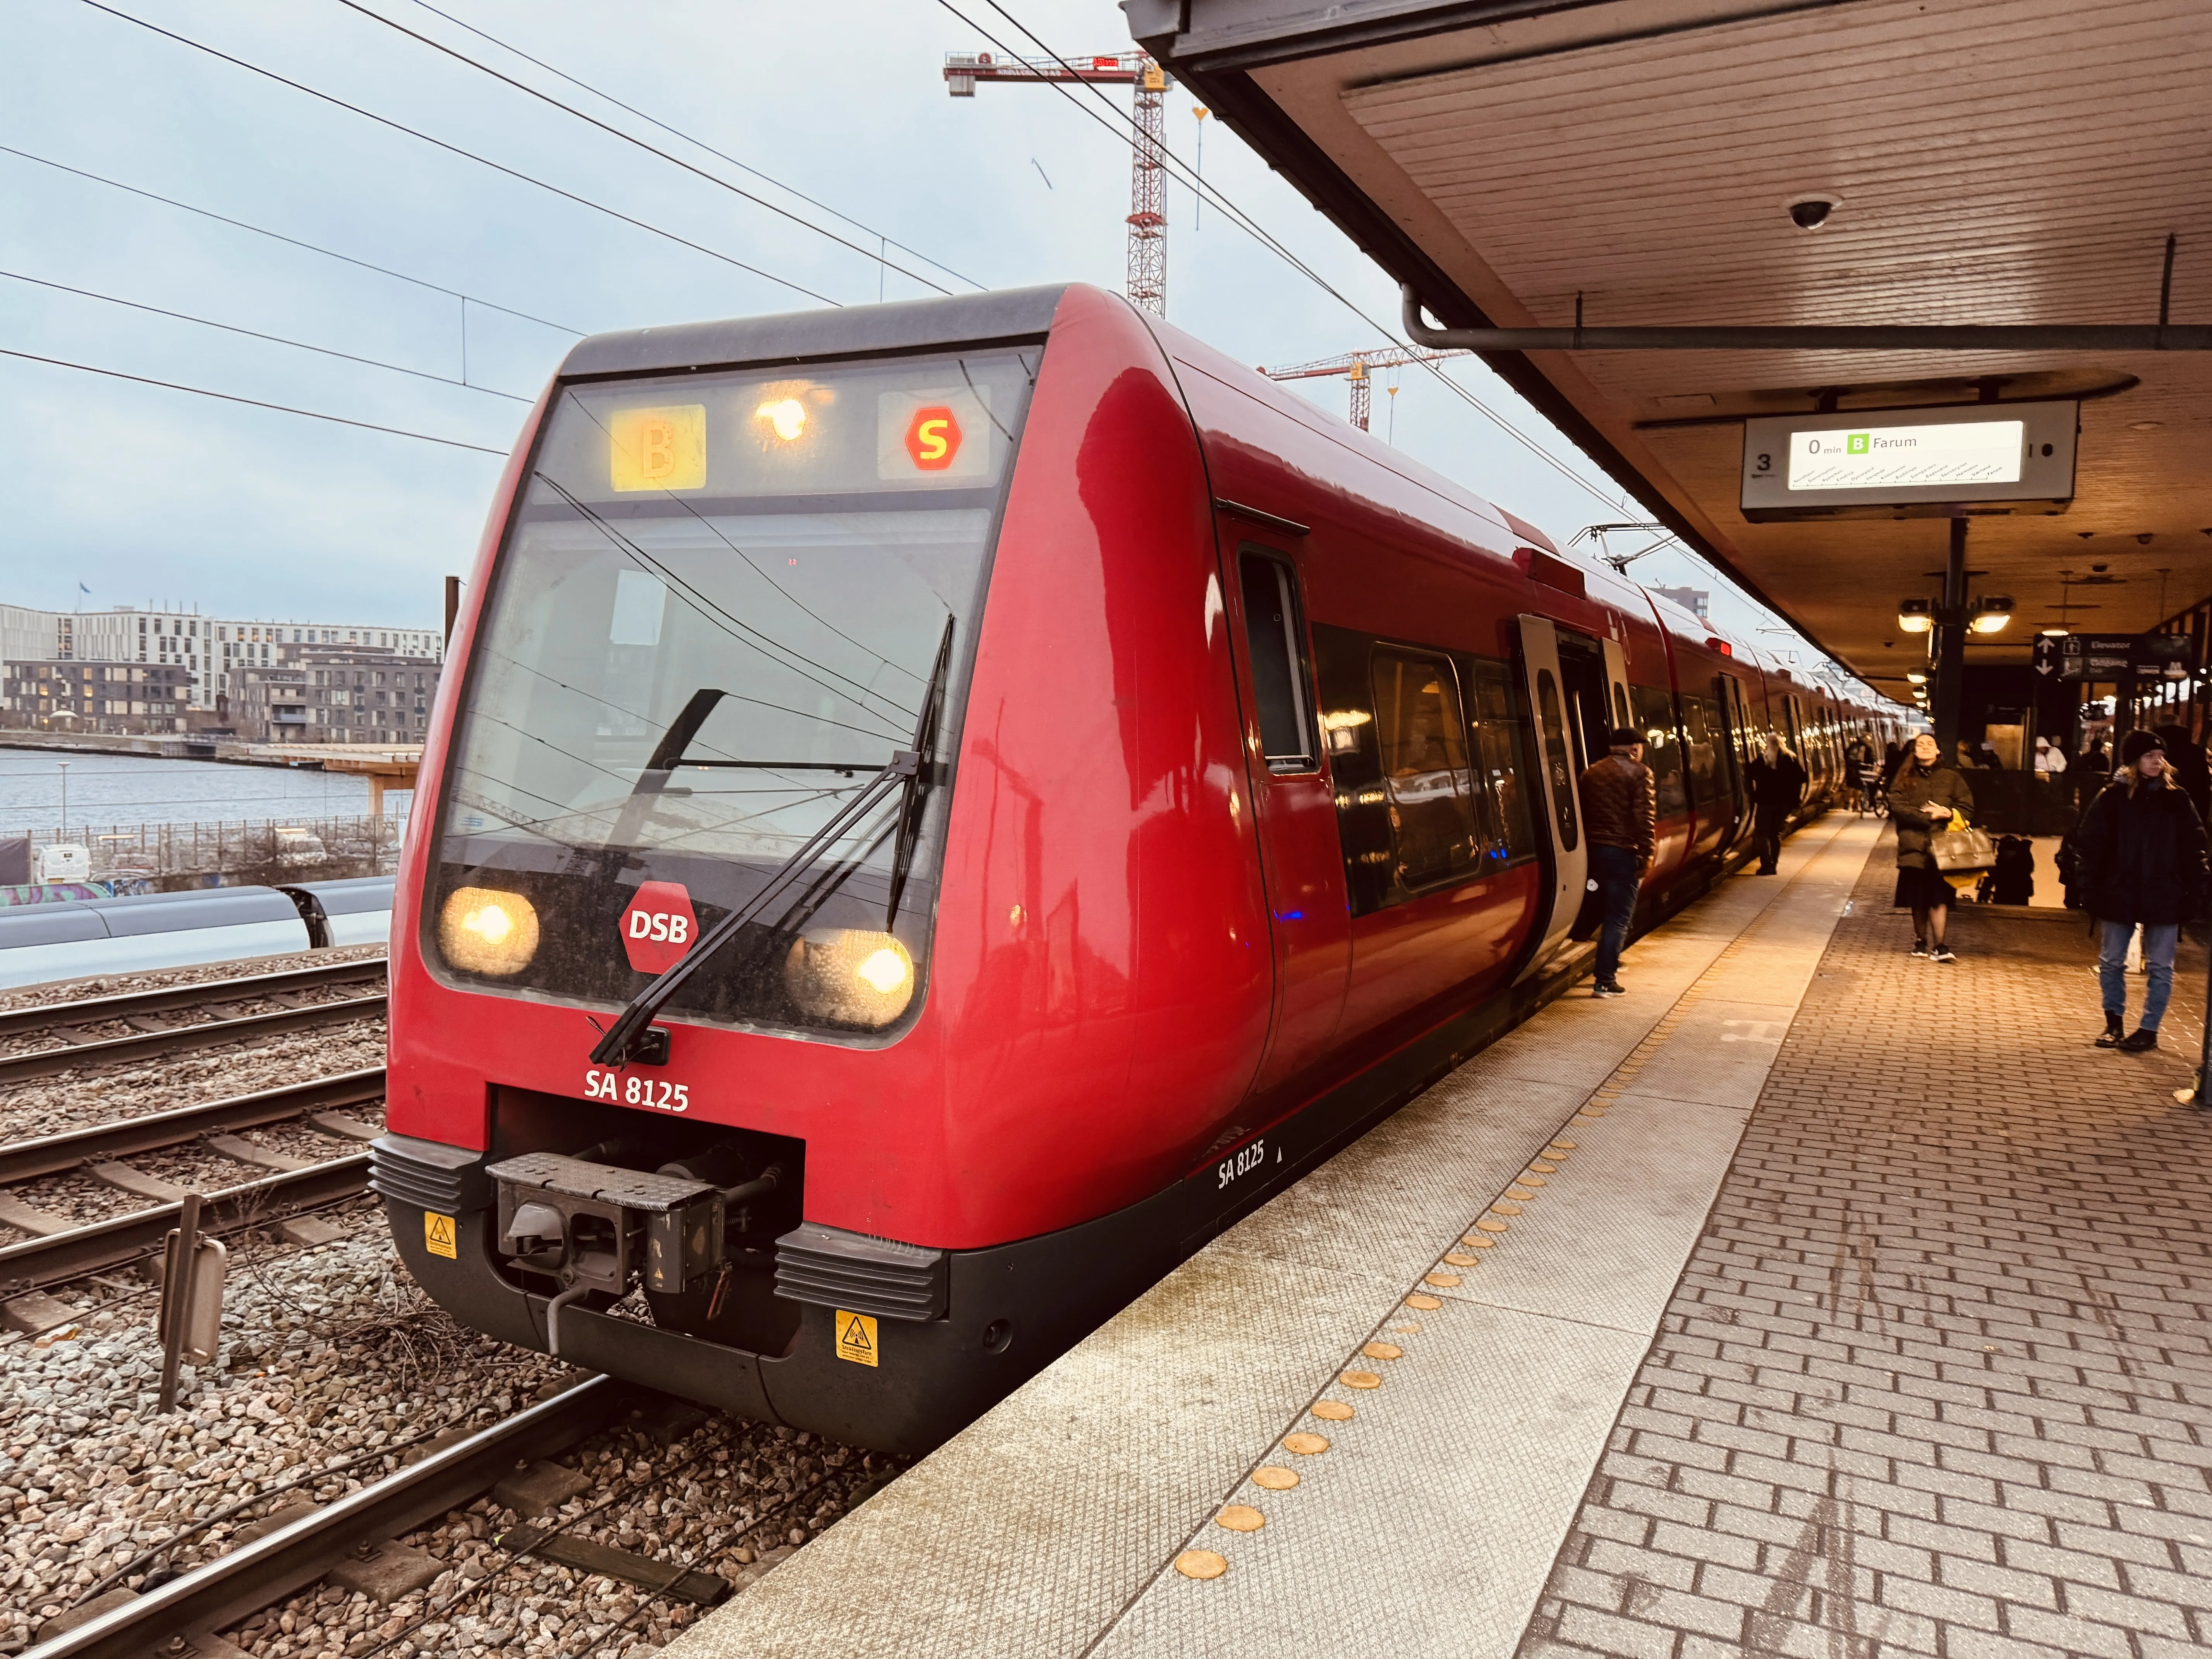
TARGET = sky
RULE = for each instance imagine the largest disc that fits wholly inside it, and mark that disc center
(122, 493)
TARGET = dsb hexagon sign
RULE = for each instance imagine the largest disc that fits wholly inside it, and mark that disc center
(932, 438)
(659, 927)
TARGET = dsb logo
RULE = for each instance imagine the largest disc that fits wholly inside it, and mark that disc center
(659, 927)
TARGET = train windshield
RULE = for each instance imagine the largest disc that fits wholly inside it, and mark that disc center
(716, 618)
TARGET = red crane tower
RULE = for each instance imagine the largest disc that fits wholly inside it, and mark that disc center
(1148, 220)
(1357, 367)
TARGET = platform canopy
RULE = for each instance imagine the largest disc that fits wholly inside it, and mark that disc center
(1983, 161)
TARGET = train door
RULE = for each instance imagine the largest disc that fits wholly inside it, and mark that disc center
(1620, 710)
(1593, 694)
(1294, 810)
(1744, 742)
(1557, 768)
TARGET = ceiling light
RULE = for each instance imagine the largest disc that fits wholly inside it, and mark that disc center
(1992, 615)
(1916, 616)
(2055, 632)
(1916, 677)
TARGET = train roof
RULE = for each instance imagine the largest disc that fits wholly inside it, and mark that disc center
(902, 325)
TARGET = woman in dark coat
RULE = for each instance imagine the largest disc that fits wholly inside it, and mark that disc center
(1776, 780)
(1925, 798)
(2142, 850)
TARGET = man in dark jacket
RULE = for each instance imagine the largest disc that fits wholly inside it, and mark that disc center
(1620, 815)
(2142, 849)
(1777, 779)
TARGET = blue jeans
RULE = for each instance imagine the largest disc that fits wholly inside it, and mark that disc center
(2159, 938)
(1616, 870)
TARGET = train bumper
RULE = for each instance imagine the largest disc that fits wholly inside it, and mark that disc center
(859, 1369)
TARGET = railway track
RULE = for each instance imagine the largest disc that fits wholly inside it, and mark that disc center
(145, 1039)
(293, 1556)
(60, 1250)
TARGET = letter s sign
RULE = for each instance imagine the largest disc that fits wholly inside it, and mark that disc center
(659, 927)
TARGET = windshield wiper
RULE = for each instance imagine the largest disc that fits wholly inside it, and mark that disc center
(627, 1037)
(914, 794)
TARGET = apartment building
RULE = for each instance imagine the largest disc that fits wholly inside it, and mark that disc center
(316, 695)
(85, 696)
(209, 650)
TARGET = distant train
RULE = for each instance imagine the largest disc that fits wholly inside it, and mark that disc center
(946, 806)
(77, 939)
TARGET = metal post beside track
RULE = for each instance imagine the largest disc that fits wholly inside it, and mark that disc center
(177, 1277)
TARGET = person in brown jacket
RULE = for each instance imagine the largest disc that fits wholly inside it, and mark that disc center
(1620, 815)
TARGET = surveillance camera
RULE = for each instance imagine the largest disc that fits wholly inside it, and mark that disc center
(1812, 212)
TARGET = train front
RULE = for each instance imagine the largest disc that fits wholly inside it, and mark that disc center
(663, 958)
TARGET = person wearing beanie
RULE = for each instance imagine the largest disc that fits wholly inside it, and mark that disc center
(1926, 797)
(1620, 814)
(2142, 850)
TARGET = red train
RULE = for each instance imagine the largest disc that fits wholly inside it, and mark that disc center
(946, 806)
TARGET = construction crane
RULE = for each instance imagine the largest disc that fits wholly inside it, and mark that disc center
(1358, 368)
(1147, 285)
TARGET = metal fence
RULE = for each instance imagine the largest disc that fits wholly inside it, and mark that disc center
(263, 850)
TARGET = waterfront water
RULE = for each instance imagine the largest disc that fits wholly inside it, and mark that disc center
(132, 789)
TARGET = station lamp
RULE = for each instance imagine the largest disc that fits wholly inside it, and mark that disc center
(1916, 677)
(2055, 632)
(1916, 616)
(1990, 615)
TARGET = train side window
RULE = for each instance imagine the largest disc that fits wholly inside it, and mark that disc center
(1421, 731)
(1497, 724)
(1707, 768)
(1662, 749)
(1273, 638)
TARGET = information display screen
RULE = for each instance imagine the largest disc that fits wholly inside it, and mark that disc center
(1896, 461)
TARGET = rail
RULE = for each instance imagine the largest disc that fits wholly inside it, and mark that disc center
(254, 1575)
(27, 1160)
(91, 1010)
(145, 1045)
(38, 1264)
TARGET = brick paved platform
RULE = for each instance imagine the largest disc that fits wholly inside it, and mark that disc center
(1937, 1378)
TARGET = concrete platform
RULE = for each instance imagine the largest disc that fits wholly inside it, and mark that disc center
(1466, 1392)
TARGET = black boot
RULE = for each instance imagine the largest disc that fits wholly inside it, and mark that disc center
(2114, 1032)
(2141, 1042)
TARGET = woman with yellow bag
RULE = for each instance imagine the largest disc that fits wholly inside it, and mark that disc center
(1925, 800)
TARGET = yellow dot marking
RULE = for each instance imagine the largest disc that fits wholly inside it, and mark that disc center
(1309, 1446)
(1481, 1241)
(1563, 1145)
(1461, 1258)
(1442, 1281)
(1426, 1303)
(1534, 1180)
(1516, 1190)
(1360, 1380)
(1240, 1517)
(1547, 1169)
(1333, 1411)
(1505, 1206)
(1491, 1224)
(1382, 1351)
(1272, 1478)
(1200, 1563)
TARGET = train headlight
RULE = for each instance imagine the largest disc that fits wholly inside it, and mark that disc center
(786, 417)
(483, 931)
(854, 975)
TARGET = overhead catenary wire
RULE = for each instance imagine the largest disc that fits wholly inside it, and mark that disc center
(293, 241)
(1252, 228)
(251, 402)
(456, 150)
(605, 96)
(255, 334)
(607, 127)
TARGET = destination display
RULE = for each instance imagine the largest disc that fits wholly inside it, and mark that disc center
(1900, 462)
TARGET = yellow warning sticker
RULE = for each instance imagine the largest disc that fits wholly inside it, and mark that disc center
(438, 1235)
(856, 1338)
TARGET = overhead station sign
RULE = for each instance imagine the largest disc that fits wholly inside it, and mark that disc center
(1898, 463)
